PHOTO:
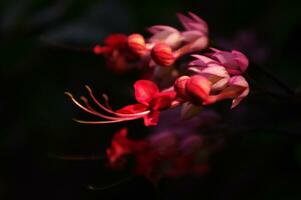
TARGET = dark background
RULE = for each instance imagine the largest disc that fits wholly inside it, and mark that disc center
(45, 50)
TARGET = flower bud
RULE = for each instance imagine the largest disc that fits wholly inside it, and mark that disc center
(198, 88)
(136, 43)
(180, 87)
(163, 55)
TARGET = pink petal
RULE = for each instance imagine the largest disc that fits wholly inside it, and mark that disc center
(199, 44)
(239, 81)
(166, 34)
(235, 61)
(201, 61)
(189, 36)
(217, 73)
(145, 90)
(193, 23)
(158, 28)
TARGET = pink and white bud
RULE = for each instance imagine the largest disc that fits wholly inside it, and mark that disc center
(162, 54)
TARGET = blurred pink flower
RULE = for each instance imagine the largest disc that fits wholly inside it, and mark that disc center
(235, 62)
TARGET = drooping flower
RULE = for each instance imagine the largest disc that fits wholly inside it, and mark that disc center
(150, 99)
(221, 69)
(150, 103)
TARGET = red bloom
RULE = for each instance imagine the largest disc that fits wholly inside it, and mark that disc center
(151, 102)
(122, 146)
(116, 52)
(149, 98)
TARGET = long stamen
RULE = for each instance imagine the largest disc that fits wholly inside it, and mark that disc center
(106, 98)
(85, 100)
(111, 111)
(104, 122)
(88, 110)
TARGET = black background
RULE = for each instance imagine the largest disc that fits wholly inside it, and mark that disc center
(46, 50)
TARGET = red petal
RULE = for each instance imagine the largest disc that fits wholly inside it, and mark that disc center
(162, 100)
(145, 91)
(120, 146)
(152, 118)
(131, 109)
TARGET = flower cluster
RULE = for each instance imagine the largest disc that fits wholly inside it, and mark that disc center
(211, 75)
(163, 48)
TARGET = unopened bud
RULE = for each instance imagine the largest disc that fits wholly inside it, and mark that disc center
(198, 88)
(180, 87)
(163, 55)
(136, 43)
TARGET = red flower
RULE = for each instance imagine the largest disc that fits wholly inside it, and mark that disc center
(150, 99)
(122, 146)
(151, 102)
(116, 52)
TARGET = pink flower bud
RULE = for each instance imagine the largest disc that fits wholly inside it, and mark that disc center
(163, 55)
(198, 88)
(136, 43)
